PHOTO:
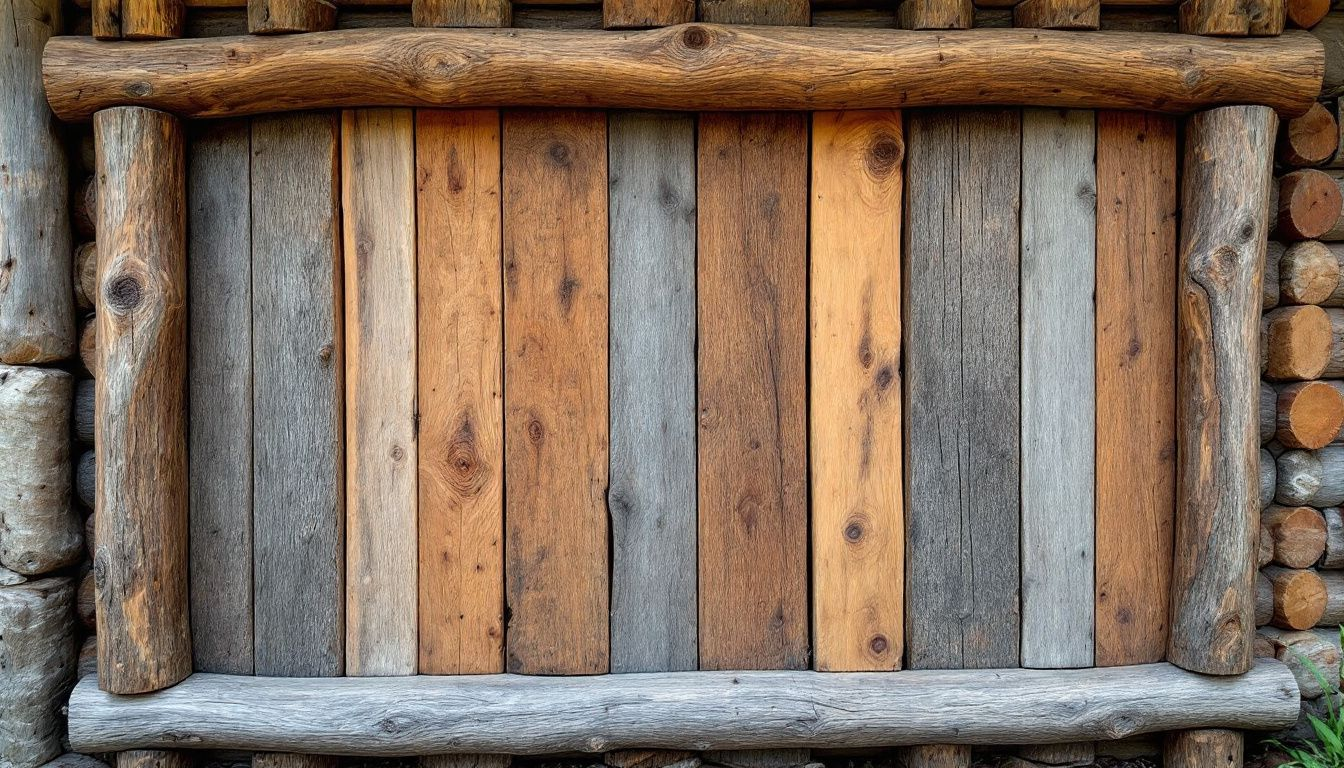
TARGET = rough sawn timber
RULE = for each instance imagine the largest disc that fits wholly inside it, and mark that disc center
(691, 67)
(677, 710)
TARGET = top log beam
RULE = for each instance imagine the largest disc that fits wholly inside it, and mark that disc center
(695, 67)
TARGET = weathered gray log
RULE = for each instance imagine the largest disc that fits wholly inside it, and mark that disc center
(1313, 661)
(1333, 616)
(1225, 187)
(1334, 538)
(9, 578)
(39, 530)
(37, 311)
(86, 275)
(509, 714)
(86, 477)
(83, 416)
(1268, 475)
(1314, 478)
(37, 667)
(1269, 416)
(1264, 600)
(75, 760)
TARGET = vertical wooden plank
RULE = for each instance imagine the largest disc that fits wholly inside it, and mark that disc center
(461, 392)
(105, 19)
(1058, 271)
(961, 391)
(298, 507)
(140, 560)
(271, 17)
(152, 19)
(378, 206)
(652, 496)
(1136, 363)
(751, 292)
(219, 395)
(797, 13)
(461, 13)
(1058, 14)
(642, 14)
(858, 530)
(555, 374)
(935, 14)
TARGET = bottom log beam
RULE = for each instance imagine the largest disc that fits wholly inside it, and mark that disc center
(510, 714)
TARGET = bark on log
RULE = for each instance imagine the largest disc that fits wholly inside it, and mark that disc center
(1269, 416)
(1296, 343)
(499, 714)
(1297, 535)
(84, 208)
(1264, 600)
(1333, 614)
(1273, 253)
(1310, 139)
(1309, 204)
(37, 667)
(86, 275)
(1227, 174)
(1305, 14)
(686, 67)
(1310, 414)
(1299, 597)
(86, 474)
(1334, 538)
(1268, 474)
(1313, 661)
(140, 563)
(88, 345)
(39, 530)
(83, 418)
(37, 313)
(1314, 478)
(1308, 273)
(1203, 749)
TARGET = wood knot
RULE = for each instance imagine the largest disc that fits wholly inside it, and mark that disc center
(535, 431)
(854, 532)
(878, 644)
(695, 38)
(559, 153)
(884, 155)
(466, 473)
(124, 294)
(885, 376)
(139, 90)
(397, 453)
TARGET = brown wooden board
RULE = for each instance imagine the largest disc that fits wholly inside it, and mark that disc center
(961, 393)
(555, 390)
(751, 294)
(858, 542)
(461, 392)
(1136, 365)
(298, 511)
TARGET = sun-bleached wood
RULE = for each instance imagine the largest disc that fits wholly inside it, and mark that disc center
(219, 394)
(378, 206)
(144, 635)
(40, 530)
(1135, 402)
(1226, 177)
(37, 646)
(1313, 659)
(1309, 273)
(858, 527)
(652, 498)
(678, 710)
(37, 313)
(1058, 364)
(687, 67)
(460, 392)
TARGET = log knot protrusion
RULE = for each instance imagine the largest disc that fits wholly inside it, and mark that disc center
(124, 293)
(695, 37)
(139, 89)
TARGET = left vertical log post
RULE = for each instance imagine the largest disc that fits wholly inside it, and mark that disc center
(140, 561)
(1225, 196)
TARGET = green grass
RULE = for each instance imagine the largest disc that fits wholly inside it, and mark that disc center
(1327, 750)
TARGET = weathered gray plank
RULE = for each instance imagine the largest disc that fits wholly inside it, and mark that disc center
(678, 710)
(653, 492)
(298, 511)
(1058, 386)
(961, 337)
(219, 394)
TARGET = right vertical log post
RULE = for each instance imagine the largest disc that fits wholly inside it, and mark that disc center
(140, 559)
(1225, 196)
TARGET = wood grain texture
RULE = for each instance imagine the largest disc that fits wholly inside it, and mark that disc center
(555, 401)
(642, 14)
(794, 13)
(652, 498)
(105, 19)
(269, 17)
(1058, 14)
(152, 19)
(961, 392)
(378, 206)
(858, 543)
(461, 13)
(298, 509)
(751, 371)
(1203, 748)
(1308, 273)
(686, 67)
(936, 14)
(219, 394)
(461, 392)
(37, 313)
(1309, 414)
(1058, 321)
(38, 648)
(688, 710)
(1225, 189)
(147, 758)
(144, 635)
(1136, 405)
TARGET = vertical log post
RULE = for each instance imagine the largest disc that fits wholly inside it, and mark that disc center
(462, 13)
(1232, 18)
(37, 313)
(1227, 173)
(272, 17)
(140, 561)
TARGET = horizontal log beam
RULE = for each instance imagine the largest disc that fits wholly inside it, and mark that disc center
(510, 714)
(687, 67)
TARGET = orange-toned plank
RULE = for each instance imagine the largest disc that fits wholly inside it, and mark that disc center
(461, 483)
(378, 196)
(858, 530)
(555, 402)
(752, 294)
(1136, 360)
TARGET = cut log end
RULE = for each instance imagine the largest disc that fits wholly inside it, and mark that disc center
(1310, 415)
(1310, 139)
(1298, 342)
(1309, 204)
